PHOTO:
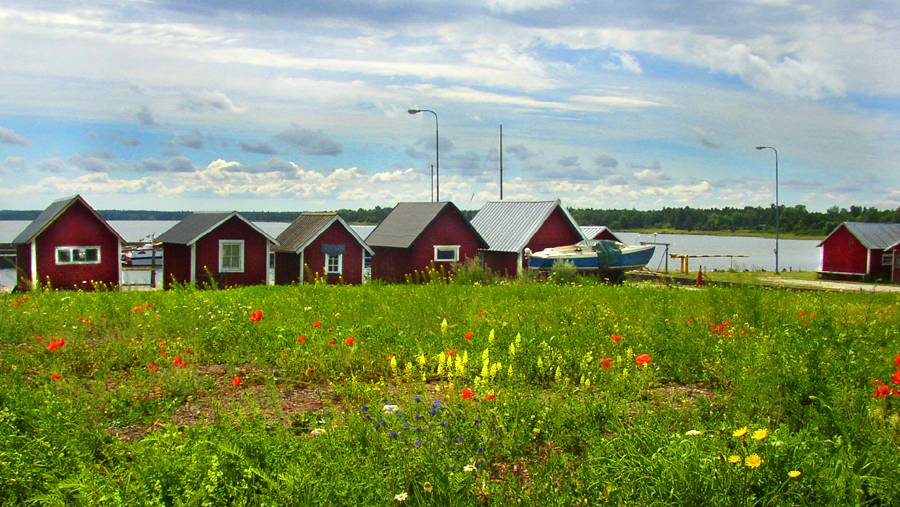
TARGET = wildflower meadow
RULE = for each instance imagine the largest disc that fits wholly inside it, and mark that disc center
(450, 394)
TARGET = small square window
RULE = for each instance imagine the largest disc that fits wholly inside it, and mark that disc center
(78, 255)
(63, 256)
(886, 259)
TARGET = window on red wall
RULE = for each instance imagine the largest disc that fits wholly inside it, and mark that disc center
(886, 259)
(446, 253)
(334, 264)
(78, 255)
(231, 256)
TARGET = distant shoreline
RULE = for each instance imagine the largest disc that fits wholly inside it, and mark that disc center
(743, 233)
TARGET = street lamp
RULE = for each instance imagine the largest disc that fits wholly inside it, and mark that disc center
(777, 227)
(437, 151)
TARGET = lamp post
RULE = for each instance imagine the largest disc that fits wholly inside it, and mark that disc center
(777, 225)
(437, 150)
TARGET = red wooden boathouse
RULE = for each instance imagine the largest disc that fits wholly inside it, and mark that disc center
(416, 235)
(510, 227)
(319, 246)
(216, 247)
(860, 249)
(68, 245)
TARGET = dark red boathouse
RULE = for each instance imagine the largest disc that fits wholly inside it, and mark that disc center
(416, 235)
(68, 246)
(221, 248)
(510, 227)
(319, 246)
(859, 249)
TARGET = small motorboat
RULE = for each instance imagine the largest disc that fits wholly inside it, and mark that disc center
(143, 256)
(594, 255)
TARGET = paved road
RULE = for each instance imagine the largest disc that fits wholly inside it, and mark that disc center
(830, 285)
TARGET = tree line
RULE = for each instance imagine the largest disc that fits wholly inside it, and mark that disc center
(794, 219)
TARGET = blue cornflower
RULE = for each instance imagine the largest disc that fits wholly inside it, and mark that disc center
(436, 404)
(458, 439)
(477, 420)
(444, 423)
(417, 399)
(399, 415)
(393, 434)
(418, 443)
(418, 430)
(364, 408)
(432, 412)
(440, 440)
(481, 450)
(381, 421)
(418, 416)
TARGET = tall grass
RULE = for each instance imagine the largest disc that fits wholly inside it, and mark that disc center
(179, 397)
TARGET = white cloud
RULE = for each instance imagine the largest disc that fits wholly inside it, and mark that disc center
(7, 136)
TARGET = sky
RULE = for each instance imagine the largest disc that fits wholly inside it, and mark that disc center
(289, 106)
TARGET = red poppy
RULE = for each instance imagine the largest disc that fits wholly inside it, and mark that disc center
(152, 367)
(466, 394)
(55, 376)
(690, 322)
(895, 392)
(468, 336)
(451, 352)
(606, 362)
(256, 316)
(349, 341)
(147, 306)
(897, 359)
(138, 308)
(812, 315)
(332, 342)
(615, 338)
(55, 344)
(642, 360)
(302, 338)
(802, 313)
(179, 362)
(726, 323)
(235, 381)
(481, 313)
(895, 378)
(490, 397)
(317, 324)
(39, 338)
(310, 370)
(164, 354)
(881, 391)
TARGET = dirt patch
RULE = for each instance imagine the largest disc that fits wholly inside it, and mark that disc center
(277, 405)
(681, 395)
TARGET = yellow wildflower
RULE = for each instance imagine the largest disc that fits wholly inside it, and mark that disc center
(444, 326)
(760, 434)
(734, 458)
(740, 432)
(793, 474)
(753, 461)
(427, 487)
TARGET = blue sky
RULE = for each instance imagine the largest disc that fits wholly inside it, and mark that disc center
(302, 105)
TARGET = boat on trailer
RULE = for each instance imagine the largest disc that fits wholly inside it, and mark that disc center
(609, 258)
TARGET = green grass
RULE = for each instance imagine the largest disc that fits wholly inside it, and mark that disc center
(546, 423)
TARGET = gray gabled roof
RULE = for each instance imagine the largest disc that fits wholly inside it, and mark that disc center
(199, 224)
(407, 221)
(871, 235)
(508, 226)
(307, 227)
(49, 215)
(591, 231)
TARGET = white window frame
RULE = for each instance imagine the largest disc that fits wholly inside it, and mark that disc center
(340, 264)
(887, 259)
(454, 248)
(222, 244)
(71, 250)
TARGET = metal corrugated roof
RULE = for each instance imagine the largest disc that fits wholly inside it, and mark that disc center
(591, 231)
(874, 235)
(50, 214)
(508, 226)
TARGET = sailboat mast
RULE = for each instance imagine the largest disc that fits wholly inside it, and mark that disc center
(501, 161)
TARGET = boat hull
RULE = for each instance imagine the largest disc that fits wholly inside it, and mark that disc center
(625, 259)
